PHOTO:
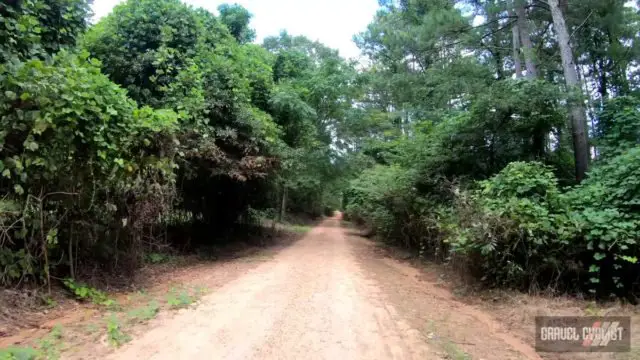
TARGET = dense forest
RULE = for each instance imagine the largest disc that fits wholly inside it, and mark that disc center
(499, 137)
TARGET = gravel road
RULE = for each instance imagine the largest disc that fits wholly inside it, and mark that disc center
(316, 299)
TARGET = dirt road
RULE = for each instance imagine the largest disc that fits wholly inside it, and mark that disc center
(326, 297)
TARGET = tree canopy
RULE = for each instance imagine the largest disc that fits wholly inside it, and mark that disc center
(477, 116)
(501, 135)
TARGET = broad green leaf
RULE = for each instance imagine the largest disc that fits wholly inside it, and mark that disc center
(18, 189)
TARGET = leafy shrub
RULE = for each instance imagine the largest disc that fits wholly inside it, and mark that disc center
(158, 258)
(378, 194)
(36, 28)
(618, 127)
(53, 111)
(15, 265)
(115, 334)
(510, 236)
(62, 116)
(19, 353)
(84, 292)
(520, 230)
(386, 200)
(607, 221)
(51, 345)
(144, 313)
(179, 298)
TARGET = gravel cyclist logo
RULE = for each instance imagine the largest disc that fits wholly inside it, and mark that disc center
(602, 333)
(583, 334)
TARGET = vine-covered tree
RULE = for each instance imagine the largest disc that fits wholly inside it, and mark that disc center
(160, 115)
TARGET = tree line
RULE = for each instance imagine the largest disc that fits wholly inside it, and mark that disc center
(160, 125)
(505, 139)
(500, 137)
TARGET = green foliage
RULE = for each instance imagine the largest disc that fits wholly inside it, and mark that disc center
(15, 265)
(236, 19)
(515, 232)
(84, 292)
(313, 94)
(144, 44)
(36, 28)
(479, 158)
(51, 345)
(144, 313)
(454, 352)
(614, 183)
(295, 116)
(163, 116)
(521, 231)
(158, 258)
(62, 116)
(48, 348)
(517, 229)
(378, 195)
(532, 181)
(299, 229)
(19, 353)
(89, 172)
(618, 126)
(49, 302)
(39, 99)
(606, 216)
(115, 334)
(183, 296)
(219, 88)
(179, 298)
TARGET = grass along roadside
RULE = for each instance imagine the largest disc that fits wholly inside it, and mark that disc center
(49, 347)
(114, 326)
(298, 229)
(447, 348)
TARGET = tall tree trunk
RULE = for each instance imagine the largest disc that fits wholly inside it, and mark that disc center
(603, 84)
(539, 137)
(499, 65)
(516, 47)
(525, 37)
(72, 270)
(577, 111)
(283, 203)
(494, 27)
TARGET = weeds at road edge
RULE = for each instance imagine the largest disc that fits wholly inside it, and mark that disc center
(48, 348)
(144, 313)
(115, 335)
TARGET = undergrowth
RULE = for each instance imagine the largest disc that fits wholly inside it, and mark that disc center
(87, 293)
(518, 229)
(183, 296)
(144, 313)
(115, 333)
(47, 348)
